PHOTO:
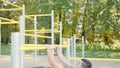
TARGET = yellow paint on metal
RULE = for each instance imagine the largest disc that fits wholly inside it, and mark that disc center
(101, 59)
(63, 45)
(29, 18)
(32, 48)
(78, 38)
(10, 9)
(38, 30)
(39, 15)
(9, 23)
(11, 4)
(33, 45)
(8, 19)
(31, 30)
(57, 23)
(38, 46)
(37, 36)
(117, 14)
(56, 31)
(43, 31)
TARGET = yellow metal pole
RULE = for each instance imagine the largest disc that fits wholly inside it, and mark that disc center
(117, 14)
(29, 17)
(9, 23)
(57, 24)
(39, 15)
(78, 38)
(42, 31)
(46, 30)
(104, 59)
(30, 30)
(37, 36)
(7, 19)
(34, 47)
(56, 31)
(37, 30)
(11, 4)
(10, 9)
(62, 45)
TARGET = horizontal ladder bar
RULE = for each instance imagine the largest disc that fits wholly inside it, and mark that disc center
(2, 18)
(38, 47)
(9, 23)
(10, 9)
(102, 59)
(43, 31)
(37, 36)
(38, 15)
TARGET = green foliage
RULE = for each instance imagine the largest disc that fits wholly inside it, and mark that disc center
(97, 17)
(5, 49)
(102, 20)
(99, 47)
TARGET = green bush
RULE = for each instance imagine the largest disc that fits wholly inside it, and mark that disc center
(98, 47)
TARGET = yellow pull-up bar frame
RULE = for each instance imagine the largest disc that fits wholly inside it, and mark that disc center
(102, 59)
(39, 46)
(38, 15)
(42, 31)
(117, 14)
(37, 36)
(10, 9)
(10, 21)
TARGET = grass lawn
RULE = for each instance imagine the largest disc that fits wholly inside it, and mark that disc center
(5, 49)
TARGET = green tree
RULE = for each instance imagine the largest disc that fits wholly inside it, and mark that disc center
(101, 20)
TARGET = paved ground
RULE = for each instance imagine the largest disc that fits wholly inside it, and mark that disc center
(5, 62)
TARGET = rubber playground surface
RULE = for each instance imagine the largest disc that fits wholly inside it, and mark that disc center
(5, 62)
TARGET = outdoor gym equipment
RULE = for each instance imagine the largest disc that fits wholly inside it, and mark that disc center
(39, 46)
(16, 50)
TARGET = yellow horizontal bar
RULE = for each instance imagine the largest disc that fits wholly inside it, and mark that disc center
(78, 38)
(10, 9)
(56, 31)
(40, 15)
(9, 23)
(38, 47)
(117, 14)
(32, 45)
(57, 23)
(42, 31)
(101, 59)
(8, 19)
(11, 4)
(31, 30)
(38, 36)
(29, 18)
(32, 48)
(47, 31)
(38, 30)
